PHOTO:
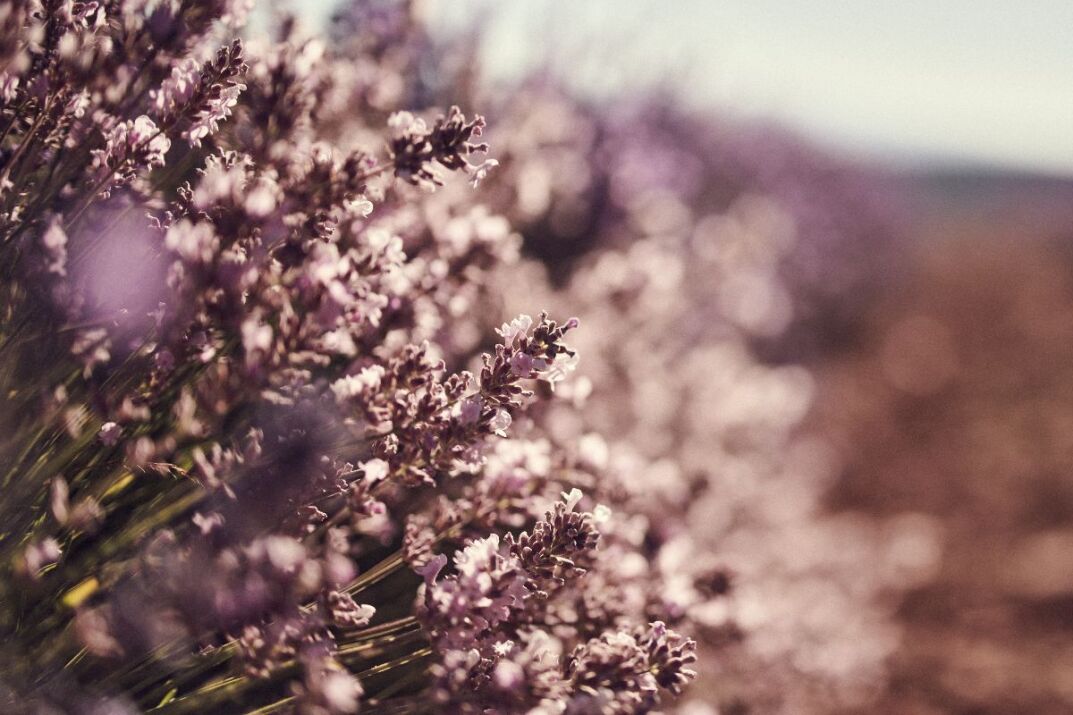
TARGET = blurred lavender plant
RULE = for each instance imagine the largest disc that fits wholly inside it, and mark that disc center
(239, 442)
(704, 255)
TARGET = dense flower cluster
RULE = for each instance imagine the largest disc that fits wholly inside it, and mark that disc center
(702, 277)
(238, 423)
(272, 442)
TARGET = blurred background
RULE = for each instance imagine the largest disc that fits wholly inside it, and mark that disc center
(823, 253)
(983, 83)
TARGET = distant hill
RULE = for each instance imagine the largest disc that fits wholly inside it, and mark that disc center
(1036, 205)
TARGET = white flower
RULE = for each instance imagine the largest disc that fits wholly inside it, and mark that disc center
(206, 524)
(9, 84)
(508, 675)
(110, 433)
(341, 691)
(601, 514)
(405, 124)
(572, 498)
(387, 248)
(176, 90)
(145, 132)
(359, 206)
(517, 327)
(260, 201)
(375, 470)
(561, 368)
(594, 450)
(218, 182)
(194, 242)
(256, 336)
(283, 552)
(339, 341)
(54, 239)
(478, 556)
(500, 422)
(479, 172)
(354, 385)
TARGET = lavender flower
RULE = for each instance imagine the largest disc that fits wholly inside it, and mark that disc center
(415, 147)
(128, 146)
(301, 469)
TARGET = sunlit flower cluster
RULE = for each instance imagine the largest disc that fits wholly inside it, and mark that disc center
(698, 269)
(284, 430)
(261, 451)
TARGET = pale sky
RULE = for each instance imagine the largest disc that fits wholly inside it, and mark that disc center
(981, 81)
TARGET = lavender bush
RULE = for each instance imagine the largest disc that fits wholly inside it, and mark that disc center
(701, 273)
(246, 468)
(285, 432)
